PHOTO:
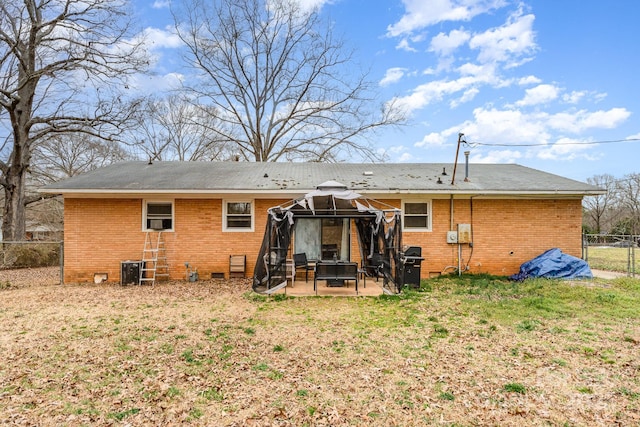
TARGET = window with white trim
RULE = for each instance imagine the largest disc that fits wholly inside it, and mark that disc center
(157, 215)
(416, 216)
(237, 215)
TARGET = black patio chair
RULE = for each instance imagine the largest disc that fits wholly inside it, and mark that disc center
(374, 266)
(301, 263)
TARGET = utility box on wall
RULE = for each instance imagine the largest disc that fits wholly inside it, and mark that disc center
(452, 237)
(464, 233)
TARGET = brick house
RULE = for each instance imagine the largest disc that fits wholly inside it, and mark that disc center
(508, 213)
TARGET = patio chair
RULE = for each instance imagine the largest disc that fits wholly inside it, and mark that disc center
(237, 265)
(374, 266)
(301, 263)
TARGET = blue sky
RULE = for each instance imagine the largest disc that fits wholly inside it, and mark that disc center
(541, 83)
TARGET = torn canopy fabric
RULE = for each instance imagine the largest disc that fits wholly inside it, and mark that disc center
(378, 231)
(554, 264)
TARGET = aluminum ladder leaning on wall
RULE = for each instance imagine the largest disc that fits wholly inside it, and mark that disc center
(154, 259)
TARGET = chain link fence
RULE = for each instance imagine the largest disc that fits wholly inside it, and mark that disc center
(611, 252)
(31, 254)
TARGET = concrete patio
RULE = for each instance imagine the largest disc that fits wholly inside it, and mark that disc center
(302, 288)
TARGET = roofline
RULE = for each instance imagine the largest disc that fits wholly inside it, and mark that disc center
(260, 194)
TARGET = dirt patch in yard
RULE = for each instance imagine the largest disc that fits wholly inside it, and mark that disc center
(213, 353)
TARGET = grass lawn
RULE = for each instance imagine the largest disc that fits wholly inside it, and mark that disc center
(612, 259)
(475, 350)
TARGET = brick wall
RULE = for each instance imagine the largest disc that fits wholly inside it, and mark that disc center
(506, 233)
(100, 233)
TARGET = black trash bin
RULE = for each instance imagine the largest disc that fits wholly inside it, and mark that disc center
(412, 261)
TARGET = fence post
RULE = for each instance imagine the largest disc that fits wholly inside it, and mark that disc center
(61, 262)
(632, 244)
(628, 259)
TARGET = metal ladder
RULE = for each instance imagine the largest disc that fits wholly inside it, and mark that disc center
(154, 259)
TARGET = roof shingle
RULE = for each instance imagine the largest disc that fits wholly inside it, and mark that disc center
(212, 177)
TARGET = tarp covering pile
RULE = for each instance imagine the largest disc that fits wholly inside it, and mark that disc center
(378, 230)
(553, 264)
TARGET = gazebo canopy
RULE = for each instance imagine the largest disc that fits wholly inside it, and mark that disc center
(378, 228)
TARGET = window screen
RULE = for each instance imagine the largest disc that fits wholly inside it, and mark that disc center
(416, 215)
(238, 216)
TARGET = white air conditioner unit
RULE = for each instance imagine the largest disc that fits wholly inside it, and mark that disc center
(156, 224)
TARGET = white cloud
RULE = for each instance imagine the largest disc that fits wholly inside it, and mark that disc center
(431, 92)
(436, 90)
(507, 126)
(157, 38)
(161, 4)
(599, 97)
(420, 13)
(406, 157)
(496, 156)
(577, 96)
(404, 45)
(432, 139)
(395, 149)
(445, 44)
(574, 97)
(509, 43)
(582, 120)
(467, 96)
(392, 75)
(539, 95)
(564, 149)
(156, 84)
(529, 80)
(464, 62)
(312, 4)
(305, 5)
(536, 134)
(484, 72)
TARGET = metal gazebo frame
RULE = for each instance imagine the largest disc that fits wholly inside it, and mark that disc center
(378, 226)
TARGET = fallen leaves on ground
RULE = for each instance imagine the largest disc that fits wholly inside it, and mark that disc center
(211, 353)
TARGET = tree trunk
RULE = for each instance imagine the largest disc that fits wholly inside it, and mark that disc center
(13, 219)
(15, 172)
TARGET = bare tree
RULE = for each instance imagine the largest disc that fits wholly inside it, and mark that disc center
(67, 155)
(601, 209)
(629, 195)
(282, 86)
(172, 128)
(62, 65)
(62, 156)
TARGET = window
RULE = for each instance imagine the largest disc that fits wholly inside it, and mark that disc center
(238, 216)
(417, 216)
(158, 216)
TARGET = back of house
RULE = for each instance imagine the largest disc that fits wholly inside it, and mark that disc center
(205, 213)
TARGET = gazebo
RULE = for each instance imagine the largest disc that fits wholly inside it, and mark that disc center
(331, 207)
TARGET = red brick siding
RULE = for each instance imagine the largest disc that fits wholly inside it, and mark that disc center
(505, 233)
(100, 233)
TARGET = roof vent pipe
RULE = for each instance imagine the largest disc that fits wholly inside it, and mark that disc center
(466, 166)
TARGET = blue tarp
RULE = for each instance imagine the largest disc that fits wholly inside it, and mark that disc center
(553, 264)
